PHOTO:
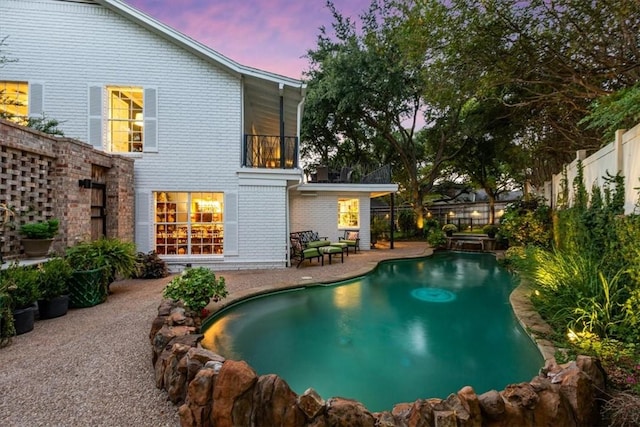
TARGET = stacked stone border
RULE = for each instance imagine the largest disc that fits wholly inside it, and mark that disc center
(213, 391)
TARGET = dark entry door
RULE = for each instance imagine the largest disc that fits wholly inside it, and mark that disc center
(98, 211)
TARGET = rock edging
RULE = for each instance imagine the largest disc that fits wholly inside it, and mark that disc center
(213, 391)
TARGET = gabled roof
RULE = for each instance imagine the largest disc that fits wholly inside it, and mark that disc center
(259, 83)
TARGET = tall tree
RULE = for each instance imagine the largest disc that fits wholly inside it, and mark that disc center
(371, 86)
(551, 59)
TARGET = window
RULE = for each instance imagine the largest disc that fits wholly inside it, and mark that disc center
(14, 101)
(348, 213)
(125, 119)
(189, 223)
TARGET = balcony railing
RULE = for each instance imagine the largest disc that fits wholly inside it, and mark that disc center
(271, 152)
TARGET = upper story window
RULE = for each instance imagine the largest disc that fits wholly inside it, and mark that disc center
(125, 123)
(348, 213)
(14, 101)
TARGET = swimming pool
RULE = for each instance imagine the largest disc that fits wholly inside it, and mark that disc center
(410, 329)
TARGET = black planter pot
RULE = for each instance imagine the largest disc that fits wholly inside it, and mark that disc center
(24, 319)
(55, 307)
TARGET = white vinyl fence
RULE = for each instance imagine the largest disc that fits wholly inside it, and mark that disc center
(622, 155)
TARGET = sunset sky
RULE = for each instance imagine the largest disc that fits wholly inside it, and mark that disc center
(271, 35)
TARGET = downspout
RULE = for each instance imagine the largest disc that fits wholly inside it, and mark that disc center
(282, 156)
(287, 204)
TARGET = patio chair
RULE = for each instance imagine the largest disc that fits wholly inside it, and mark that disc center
(352, 239)
(300, 254)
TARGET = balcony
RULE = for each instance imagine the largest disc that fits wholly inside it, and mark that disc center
(323, 175)
(270, 152)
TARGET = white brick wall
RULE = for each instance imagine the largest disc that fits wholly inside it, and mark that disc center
(320, 213)
(69, 46)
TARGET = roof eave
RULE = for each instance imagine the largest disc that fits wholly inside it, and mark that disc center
(194, 46)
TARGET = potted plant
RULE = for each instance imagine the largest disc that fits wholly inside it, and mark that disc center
(38, 237)
(119, 256)
(7, 329)
(449, 229)
(22, 285)
(54, 278)
(88, 282)
(378, 227)
(196, 287)
(95, 265)
(490, 230)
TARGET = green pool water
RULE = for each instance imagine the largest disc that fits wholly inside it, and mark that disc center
(411, 329)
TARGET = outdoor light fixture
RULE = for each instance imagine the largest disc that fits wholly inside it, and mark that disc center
(84, 183)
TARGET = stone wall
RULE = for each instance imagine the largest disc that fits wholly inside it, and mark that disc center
(212, 391)
(39, 176)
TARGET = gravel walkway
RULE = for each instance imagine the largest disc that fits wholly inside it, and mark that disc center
(92, 367)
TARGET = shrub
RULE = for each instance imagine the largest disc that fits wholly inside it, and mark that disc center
(40, 230)
(449, 228)
(407, 221)
(118, 256)
(623, 409)
(22, 284)
(527, 222)
(7, 330)
(490, 230)
(196, 287)
(150, 266)
(436, 239)
(54, 278)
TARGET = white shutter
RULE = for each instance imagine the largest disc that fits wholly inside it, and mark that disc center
(150, 114)
(231, 223)
(36, 99)
(143, 230)
(94, 136)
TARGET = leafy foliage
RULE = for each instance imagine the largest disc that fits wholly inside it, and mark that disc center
(6, 311)
(452, 228)
(407, 221)
(22, 284)
(490, 229)
(40, 230)
(118, 256)
(54, 278)
(589, 283)
(436, 238)
(44, 124)
(527, 222)
(195, 287)
(150, 266)
(618, 110)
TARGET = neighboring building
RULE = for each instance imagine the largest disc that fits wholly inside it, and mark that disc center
(215, 144)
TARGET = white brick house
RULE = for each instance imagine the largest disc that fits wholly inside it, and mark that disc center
(215, 143)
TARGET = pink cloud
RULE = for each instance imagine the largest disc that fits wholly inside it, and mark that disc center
(272, 35)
